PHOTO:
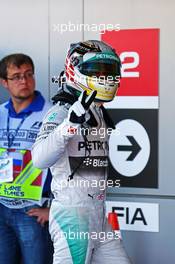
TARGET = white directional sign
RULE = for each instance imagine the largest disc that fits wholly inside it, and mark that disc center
(129, 150)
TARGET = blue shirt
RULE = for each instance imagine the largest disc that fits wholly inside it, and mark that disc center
(36, 105)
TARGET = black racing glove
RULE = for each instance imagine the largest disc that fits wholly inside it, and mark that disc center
(77, 112)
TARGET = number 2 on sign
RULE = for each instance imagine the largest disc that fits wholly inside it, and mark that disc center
(129, 65)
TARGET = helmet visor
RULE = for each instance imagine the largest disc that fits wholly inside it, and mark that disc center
(100, 68)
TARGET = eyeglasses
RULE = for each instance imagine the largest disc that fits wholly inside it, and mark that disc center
(19, 77)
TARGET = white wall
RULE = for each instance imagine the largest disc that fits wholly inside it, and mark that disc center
(24, 28)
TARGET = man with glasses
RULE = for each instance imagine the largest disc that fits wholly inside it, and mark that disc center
(24, 189)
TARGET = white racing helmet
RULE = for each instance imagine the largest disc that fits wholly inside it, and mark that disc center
(93, 65)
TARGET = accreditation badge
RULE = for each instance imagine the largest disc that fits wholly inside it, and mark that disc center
(6, 169)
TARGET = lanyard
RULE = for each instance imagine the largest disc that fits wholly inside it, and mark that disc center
(11, 136)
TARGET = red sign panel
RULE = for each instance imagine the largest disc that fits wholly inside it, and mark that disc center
(139, 53)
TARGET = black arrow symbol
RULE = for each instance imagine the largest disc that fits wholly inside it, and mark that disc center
(134, 148)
